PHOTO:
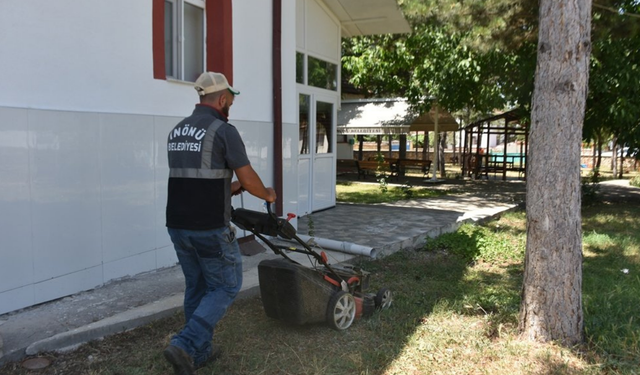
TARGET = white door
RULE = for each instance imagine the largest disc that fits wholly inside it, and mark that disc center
(316, 147)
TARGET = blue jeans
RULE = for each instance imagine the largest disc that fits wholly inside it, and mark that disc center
(212, 267)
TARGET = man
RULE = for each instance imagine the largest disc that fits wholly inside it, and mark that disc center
(204, 152)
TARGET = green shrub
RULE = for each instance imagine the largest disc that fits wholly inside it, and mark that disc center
(635, 181)
(381, 176)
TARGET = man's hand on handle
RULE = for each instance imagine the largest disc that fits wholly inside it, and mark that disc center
(249, 180)
(272, 195)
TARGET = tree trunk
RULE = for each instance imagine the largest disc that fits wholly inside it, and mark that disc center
(443, 143)
(621, 169)
(402, 146)
(454, 157)
(614, 157)
(425, 147)
(594, 154)
(551, 305)
(599, 153)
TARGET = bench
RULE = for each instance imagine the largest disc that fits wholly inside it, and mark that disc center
(423, 165)
(347, 166)
(367, 167)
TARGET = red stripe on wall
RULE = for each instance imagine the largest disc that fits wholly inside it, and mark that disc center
(220, 37)
(159, 69)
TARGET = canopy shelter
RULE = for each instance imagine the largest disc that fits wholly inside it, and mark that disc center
(393, 116)
(390, 116)
(496, 144)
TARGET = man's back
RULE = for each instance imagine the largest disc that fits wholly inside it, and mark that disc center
(202, 151)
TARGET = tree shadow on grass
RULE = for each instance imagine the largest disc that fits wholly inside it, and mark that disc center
(611, 286)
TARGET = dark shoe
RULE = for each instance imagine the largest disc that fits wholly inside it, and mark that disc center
(216, 352)
(179, 359)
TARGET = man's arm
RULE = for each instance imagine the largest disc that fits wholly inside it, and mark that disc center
(251, 182)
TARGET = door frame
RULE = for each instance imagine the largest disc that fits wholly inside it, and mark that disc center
(312, 158)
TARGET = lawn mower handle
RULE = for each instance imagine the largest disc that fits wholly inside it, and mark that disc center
(273, 215)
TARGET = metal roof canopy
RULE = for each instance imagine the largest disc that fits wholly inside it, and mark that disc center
(389, 116)
(513, 115)
(358, 17)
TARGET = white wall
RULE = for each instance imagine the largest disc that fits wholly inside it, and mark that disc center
(323, 32)
(289, 109)
(344, 151)
(252, 54)
(76, 55)
(252, 60)
(83, 202)
(83, 128)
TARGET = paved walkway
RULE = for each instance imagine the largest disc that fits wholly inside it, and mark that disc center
(138, 300)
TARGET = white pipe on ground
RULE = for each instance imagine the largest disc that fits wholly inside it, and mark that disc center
(341, 246)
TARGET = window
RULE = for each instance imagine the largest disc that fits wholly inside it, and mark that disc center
(191, 36)
(322, 74)
(324, 122)
(303, 142)
(319, 73)
(184, 46)
(299, 67)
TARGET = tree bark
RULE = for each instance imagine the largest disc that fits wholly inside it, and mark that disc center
(621, 169)
(614, 156)
(402, 146)
(454, 157)
(599, 153)
(594, 154)
(551, 305)
(425, 147)
(443, 143)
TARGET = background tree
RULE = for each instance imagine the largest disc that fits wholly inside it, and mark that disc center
(429, 63)
(486, 24)
(551, 305)
(480, 55)
(613, 104)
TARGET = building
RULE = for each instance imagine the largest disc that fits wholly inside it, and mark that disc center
(90, 90)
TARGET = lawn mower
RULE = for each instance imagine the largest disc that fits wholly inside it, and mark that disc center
(297, 294)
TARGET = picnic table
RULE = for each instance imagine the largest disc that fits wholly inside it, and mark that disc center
(483, 164)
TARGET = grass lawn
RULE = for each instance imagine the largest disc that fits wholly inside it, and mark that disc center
(371, 193)
(455, 312)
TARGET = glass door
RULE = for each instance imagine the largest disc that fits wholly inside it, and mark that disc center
(316, 147)
(323, 156)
